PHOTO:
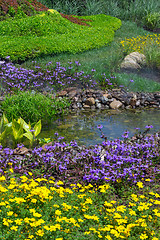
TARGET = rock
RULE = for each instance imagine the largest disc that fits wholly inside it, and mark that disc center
(21, 151)
(62, 93)
(115, 104)
(90, 101)
(104, 100)
(138, 103)
(86, 106)
(133, 61)
(98, 105)
(72, 93)
(133, 100)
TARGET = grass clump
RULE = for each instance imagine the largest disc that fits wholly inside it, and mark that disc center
(32, 107)
(50, 34)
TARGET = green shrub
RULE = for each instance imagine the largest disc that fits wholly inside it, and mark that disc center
(32, 107)
(152, 21)
(50, 34)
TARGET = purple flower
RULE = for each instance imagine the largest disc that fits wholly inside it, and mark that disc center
(100, 127)
(149, 126)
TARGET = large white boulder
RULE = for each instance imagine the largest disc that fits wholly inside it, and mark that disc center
(134, 60)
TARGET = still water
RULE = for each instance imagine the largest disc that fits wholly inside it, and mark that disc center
(82, 126)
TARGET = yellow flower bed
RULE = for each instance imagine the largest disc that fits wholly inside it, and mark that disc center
(45, 209)
(138, 44)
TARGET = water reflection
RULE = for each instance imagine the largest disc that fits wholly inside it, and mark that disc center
(82, 126)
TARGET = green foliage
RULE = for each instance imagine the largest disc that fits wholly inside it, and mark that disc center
(11, 11)
(33, 106)
(15, 131)
(152, 21)
(50, 34)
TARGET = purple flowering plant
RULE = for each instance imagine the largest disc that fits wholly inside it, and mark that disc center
(115, 161)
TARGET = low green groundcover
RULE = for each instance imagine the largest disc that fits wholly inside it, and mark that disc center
(49, 33)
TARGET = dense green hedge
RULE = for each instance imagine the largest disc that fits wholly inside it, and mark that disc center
(50, 33)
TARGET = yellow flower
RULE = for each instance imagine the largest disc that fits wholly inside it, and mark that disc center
(121, 208)
(106, 204)
(10, 213)
(143, 236)
(140, 184)
(34, 200)
(81, 195)
(108, 237)
(131, 212)
(2, 178)
(88, 201)
(2, 189)
(80, 220)
(40, 233)
(60, 183)
(18, 221)
(57, 212)
(14, 228)
(30, 236)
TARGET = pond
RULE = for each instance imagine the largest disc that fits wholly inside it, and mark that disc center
(82, 126)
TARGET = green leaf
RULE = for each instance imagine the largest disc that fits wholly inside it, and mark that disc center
(17, 130)
(37, 128)
(5, 120)
(29, 136)
(25, 126)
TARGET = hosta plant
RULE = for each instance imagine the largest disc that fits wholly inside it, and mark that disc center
(18, 131)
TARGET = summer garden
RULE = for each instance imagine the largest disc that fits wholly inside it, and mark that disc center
(51, 188)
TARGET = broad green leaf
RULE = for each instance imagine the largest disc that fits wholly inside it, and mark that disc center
(25, 126)
(5, 120)
(29, 136)
(3, 135)
(37, 128)
(17, 130)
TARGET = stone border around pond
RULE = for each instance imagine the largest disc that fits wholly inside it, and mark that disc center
(110, 99)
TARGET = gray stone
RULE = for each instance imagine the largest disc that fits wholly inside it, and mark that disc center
(98, 105)
(104, 100)
(138, 102)
(93, 107)
(97, 101)
(115, 104)
(79, 105)
(134, 61)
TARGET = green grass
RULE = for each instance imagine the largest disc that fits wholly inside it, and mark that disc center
(105, 60)
(33, 107)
